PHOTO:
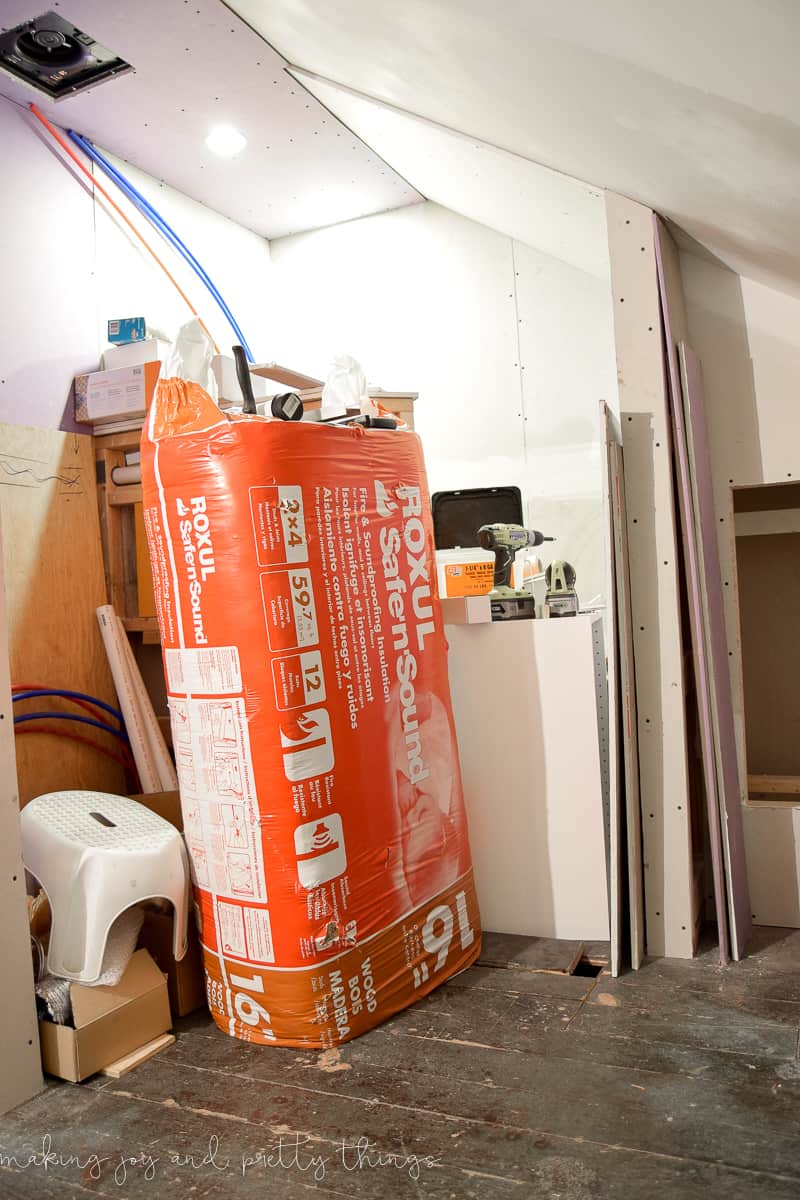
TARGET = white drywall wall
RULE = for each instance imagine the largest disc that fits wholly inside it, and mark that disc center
(68, 266)
(748, 339)
(509, 350)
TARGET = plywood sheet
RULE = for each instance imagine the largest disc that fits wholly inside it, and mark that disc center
(54, 581)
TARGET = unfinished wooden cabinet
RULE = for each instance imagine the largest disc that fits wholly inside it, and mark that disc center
(767, 523)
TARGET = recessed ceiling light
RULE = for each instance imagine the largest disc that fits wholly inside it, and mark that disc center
(226, 141)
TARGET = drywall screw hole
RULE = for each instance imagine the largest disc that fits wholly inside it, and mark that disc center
(680, 806)
(730, 481)
(622, 299)
(683, 926)
(721, 520)
(636, 520)
(641, 628)
(627, 222)
(658, 444)
(726, 583)
(652, 815)
(30, 1040)
(649, 328)
(630, 418)
(730, 654)
(658, 914)
(666, 564)
(13, 879)
(642, 249)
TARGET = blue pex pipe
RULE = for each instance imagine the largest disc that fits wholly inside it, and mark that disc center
(146, 208)
(61, 716)
(68, 695)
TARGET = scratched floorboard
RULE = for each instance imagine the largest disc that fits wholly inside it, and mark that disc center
(681, 1080)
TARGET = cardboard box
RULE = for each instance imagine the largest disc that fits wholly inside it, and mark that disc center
(134, 353)
(186, 980)
(126, 329)
(102, 397)
(109, 1021)
(164, 804)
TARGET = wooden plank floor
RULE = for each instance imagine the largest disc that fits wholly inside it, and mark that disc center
(682, 1080)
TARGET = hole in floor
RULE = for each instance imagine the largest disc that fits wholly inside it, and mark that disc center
(588, 969)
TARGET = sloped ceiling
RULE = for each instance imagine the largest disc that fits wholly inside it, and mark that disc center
(197, 64)
(560, 216)
(691, 108)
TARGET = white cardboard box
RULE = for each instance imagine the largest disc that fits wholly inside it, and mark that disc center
(132, 354)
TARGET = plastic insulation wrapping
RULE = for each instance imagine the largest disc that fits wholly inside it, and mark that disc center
(146, 208)
(306, 670)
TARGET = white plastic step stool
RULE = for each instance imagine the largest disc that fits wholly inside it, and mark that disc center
(95, 855)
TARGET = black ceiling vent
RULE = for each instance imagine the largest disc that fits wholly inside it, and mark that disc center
(56, 57)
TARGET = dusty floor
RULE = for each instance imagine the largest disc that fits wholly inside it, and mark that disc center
(682, 1081)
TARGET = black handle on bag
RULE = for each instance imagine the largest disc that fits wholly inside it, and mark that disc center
(245, 382)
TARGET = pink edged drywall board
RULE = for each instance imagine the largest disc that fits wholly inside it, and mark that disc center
(692, 570)
(615, 897)
(728, 778)
(627, 692)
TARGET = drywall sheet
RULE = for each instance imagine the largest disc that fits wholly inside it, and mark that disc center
(672, 312)
(615, 784)
(627, 689)
(772, 834)
(728, 781)
(21, 1076)
(748, 338)
(54, 581)
(644, 418)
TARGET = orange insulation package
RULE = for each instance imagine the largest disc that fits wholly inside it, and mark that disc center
(306, 668)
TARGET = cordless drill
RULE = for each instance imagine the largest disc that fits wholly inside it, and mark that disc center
(509, 604)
